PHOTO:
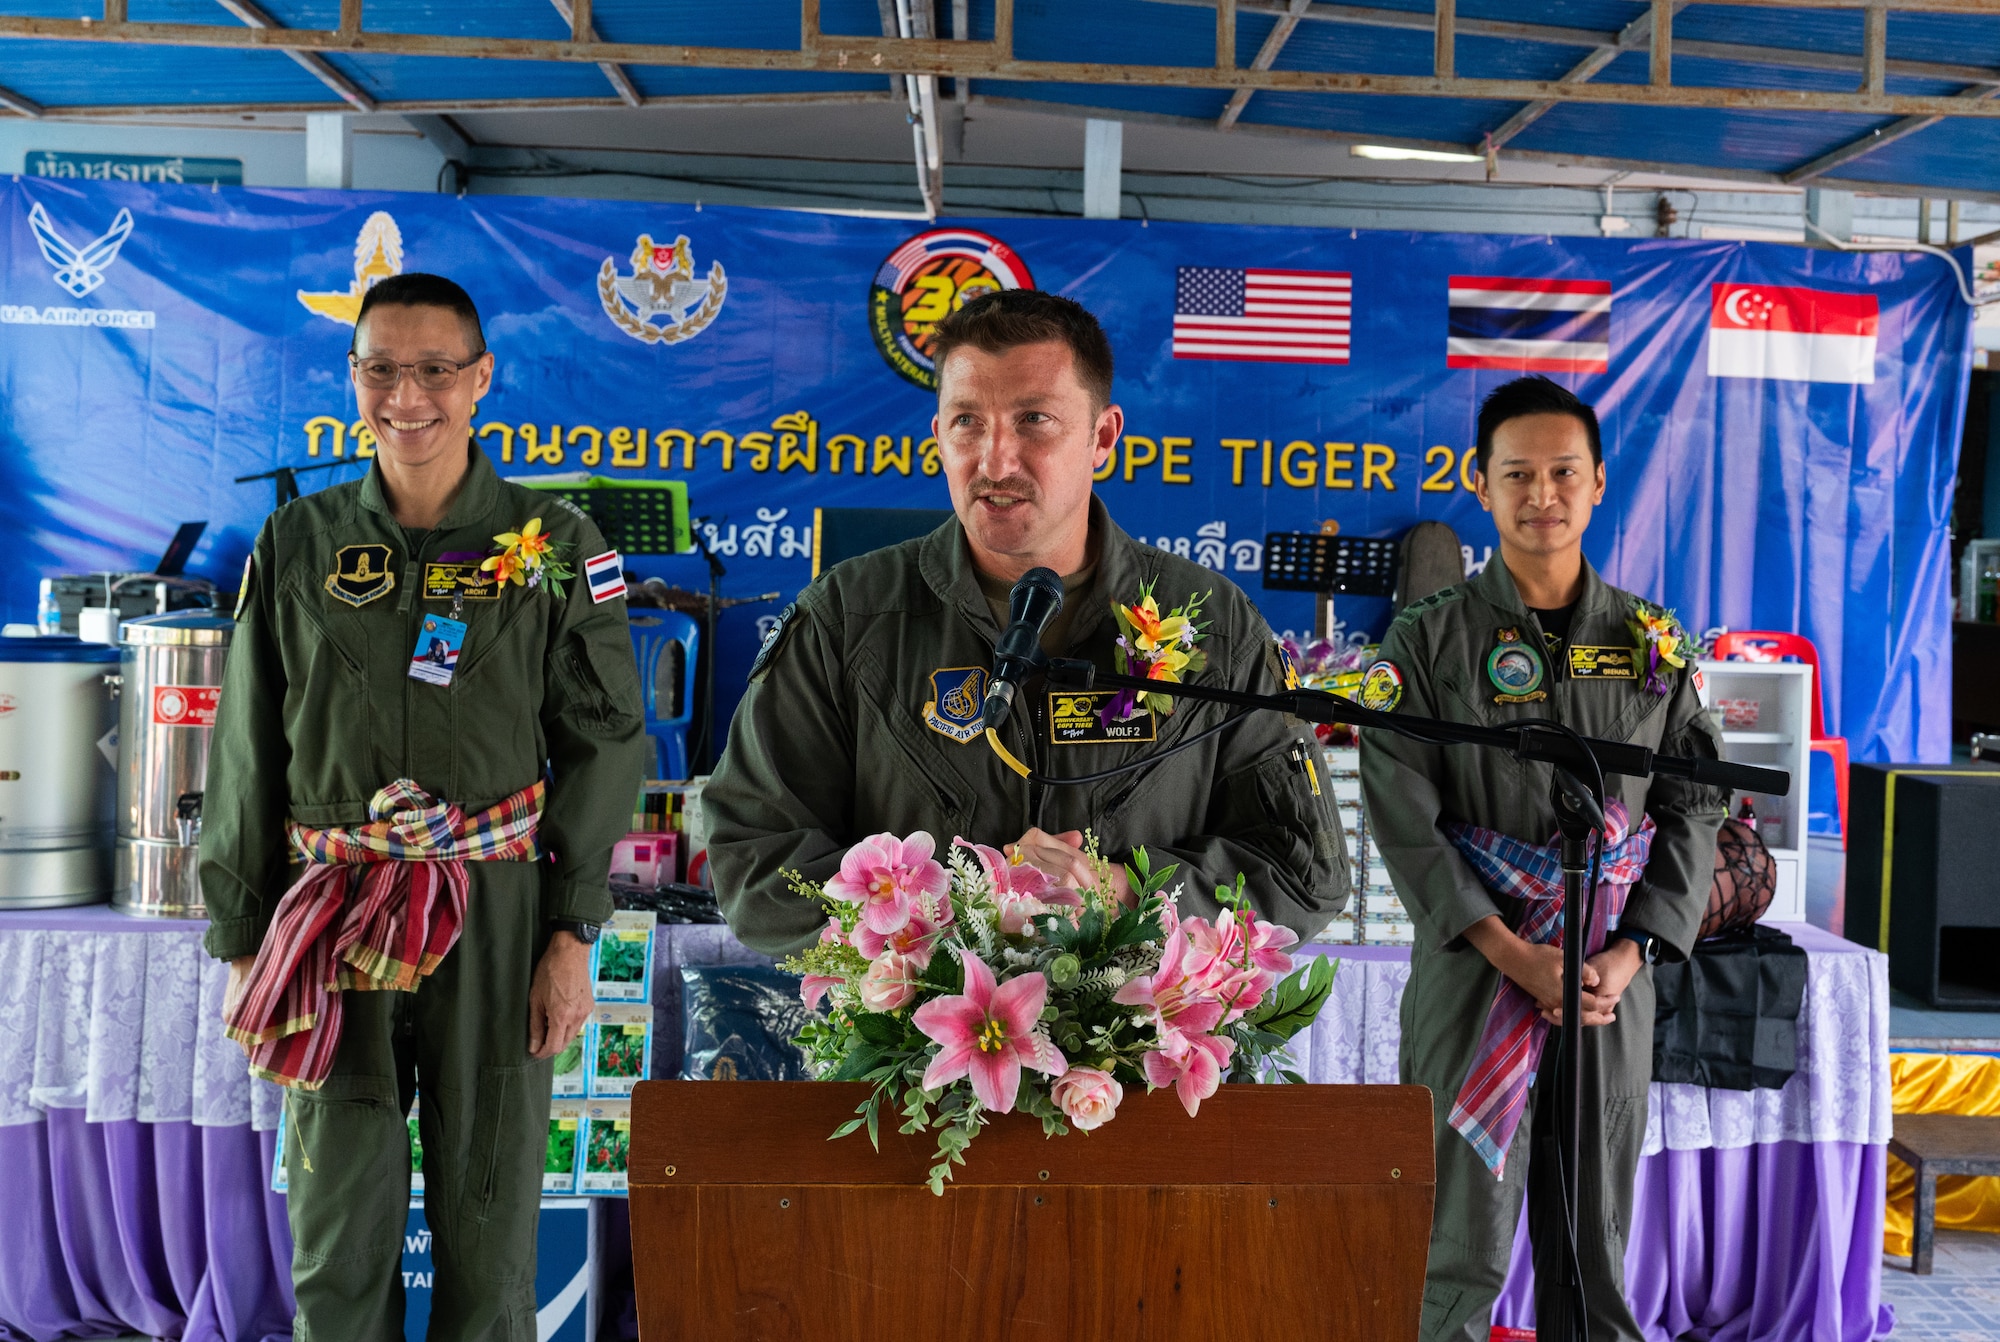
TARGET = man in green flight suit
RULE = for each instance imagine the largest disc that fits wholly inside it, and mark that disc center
(1536, 635)
(864, 711)
(424, 703)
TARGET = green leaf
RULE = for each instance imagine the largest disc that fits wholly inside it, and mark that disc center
(878, 1028)
(844, 1129)
(860, 1060)
(1296, 1002)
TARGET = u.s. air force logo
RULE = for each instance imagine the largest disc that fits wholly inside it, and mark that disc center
(957, 706)
(661, 302)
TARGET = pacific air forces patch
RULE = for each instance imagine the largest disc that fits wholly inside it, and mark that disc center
(361, 573)
(957, 706)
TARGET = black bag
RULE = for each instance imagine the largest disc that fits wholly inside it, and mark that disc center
(740, 1023)
(1728, 1016)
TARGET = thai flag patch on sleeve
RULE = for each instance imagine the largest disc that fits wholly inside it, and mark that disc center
(606, 578)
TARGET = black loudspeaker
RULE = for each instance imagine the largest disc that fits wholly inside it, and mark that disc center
(1923, 878)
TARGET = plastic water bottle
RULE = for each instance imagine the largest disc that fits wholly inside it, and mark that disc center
(48, 613)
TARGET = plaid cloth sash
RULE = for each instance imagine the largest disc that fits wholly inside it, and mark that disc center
(376, 910)
(1490, 1103)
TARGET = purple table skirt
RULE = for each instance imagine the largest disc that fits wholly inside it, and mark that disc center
(164, 1229)
(168, 1230)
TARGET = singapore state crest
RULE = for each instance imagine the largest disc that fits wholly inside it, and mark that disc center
(927, 279)
(661, 301)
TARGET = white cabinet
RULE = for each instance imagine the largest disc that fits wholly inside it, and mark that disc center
(1766, 718)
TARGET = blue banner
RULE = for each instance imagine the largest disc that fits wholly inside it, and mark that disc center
(1780, 424)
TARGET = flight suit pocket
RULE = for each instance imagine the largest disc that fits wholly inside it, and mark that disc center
(1277, 811)
(601, 685)
(503, 1172)
(347, 1169)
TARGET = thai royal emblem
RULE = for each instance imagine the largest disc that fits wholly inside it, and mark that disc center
(957, 707)
(378, 254)
(661, 302)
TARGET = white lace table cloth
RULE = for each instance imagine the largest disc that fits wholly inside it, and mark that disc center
(1839, 1094)
(121, 1018)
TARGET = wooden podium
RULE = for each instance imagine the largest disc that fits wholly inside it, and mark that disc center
(1282, 1211)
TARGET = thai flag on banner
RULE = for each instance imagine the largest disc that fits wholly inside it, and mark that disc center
(605, 576)
(1796, 335)
(1529, 325)
(1262, 316)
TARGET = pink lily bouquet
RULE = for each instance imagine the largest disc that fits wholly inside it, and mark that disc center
(977, 986)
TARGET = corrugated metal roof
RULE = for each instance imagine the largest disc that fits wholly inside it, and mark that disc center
(1954, 157)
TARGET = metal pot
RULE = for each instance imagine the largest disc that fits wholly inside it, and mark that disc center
(55, 777)
(172, 669)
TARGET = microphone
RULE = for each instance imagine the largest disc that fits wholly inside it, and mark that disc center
(1032, 604)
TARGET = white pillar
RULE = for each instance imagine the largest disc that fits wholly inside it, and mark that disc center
(329, 150)
(1832, 213)
(1103, 163)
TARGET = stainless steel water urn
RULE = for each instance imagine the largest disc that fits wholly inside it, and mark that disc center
(55, 772)
(172, 668)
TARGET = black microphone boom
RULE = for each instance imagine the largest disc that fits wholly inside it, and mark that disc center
(1030, 606)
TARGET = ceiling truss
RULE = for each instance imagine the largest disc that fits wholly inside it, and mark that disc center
(917, 53)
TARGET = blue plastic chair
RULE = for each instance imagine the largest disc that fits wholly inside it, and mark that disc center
(667, 690)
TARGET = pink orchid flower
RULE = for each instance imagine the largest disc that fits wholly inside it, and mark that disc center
(989, 1033)
(1194, 1071)
(813, 988)
(889, 878)
(914, 941)
(1021, 890)
(1177, 1003)
(1268, 943)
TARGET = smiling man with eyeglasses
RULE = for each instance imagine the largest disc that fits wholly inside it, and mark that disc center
(452, 745)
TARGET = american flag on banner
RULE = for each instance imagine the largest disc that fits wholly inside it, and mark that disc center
(1262, 316)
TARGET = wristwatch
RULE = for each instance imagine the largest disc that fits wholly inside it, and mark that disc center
(1648, 944)
(584, 932)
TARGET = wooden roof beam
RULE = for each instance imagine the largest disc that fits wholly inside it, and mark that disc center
(1747, 53)
(1267, 55)
(248, 12)
(576, 13)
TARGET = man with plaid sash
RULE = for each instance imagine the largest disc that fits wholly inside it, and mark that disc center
(1469, 837)
(420, 764)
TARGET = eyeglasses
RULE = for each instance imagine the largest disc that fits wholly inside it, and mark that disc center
(430, 374)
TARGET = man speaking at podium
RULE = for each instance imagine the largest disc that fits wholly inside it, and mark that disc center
(864, 712)
(1463, 831)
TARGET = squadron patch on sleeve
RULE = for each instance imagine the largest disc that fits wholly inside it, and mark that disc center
(772, 639)
(1382, 687)
(243, 589)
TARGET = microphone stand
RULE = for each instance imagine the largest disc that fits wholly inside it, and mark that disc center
(1580, 765)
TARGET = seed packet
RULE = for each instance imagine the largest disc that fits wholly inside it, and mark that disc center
(621, 962)
(570, 1080)
(619, 1054)
(278, 1178)
(416, 1149)
(606, 1138)
(565, 1149)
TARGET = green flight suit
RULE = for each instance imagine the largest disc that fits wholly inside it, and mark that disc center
(862, 716)
(318, 710)
(1441, 646)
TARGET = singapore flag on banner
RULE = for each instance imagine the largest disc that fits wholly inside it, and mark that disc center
(1797, 335)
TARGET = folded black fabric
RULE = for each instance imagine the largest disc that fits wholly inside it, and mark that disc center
(740, 1024)
(1728, 1015)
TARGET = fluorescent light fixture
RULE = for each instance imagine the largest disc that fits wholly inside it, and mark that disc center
(1389, 151)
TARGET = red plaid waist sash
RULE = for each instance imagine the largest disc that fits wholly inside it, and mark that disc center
(378, 907)
(1494, 1096)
